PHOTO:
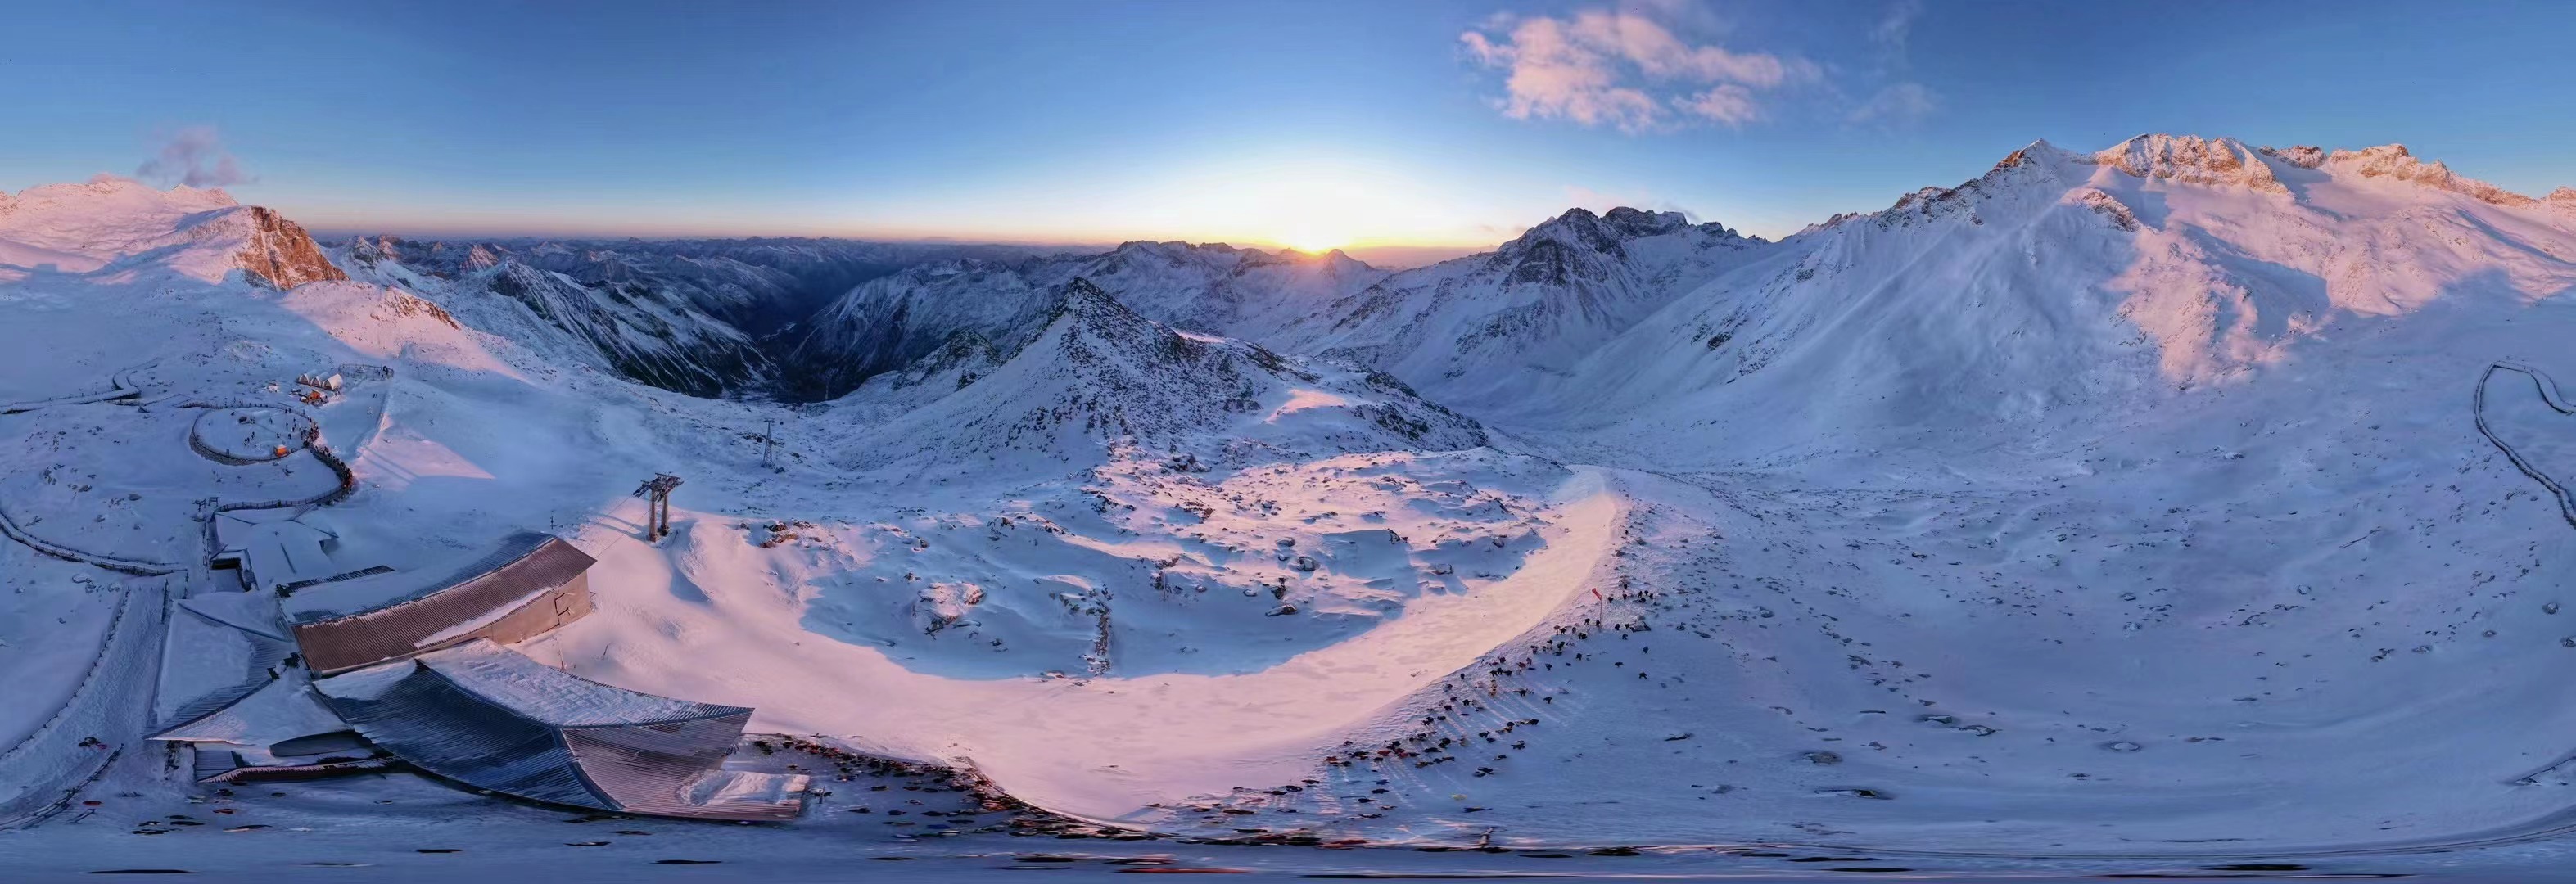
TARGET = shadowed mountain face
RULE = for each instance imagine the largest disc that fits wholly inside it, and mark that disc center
(705, 317)
(889, 322)
(811, 320)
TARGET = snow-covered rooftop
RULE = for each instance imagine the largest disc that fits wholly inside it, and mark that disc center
(526, 687)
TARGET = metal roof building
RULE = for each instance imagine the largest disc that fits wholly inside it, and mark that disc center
(280, 731)
(531, 585)
(490, 717)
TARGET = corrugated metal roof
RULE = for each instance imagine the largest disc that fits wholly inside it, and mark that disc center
(490, 717)
(557, 698)
(427, 720)
(519, 572)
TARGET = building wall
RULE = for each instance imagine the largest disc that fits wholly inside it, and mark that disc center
(559, 606)
(412, 627)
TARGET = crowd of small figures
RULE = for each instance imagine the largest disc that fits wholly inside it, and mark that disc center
(782, 533)
(978, 794)
(1466, 715)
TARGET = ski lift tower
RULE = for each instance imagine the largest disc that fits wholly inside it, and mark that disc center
(657, 507)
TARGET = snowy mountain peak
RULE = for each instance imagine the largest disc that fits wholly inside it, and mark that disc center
(2036, 151)
(1099, 371)
(2393, 161)
(199, 233)
(1173, 249)
(1580, 228)
(104, 192)
(1179, 254)
(279, 253)
(2191, 159)
(1542, 252)
(1081, 298)
(2305, 156)
(1088, 313)
(2563, 198)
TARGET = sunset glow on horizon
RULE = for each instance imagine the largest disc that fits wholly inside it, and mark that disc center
(1424, 129)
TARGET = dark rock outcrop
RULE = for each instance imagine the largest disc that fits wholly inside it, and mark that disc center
(280, 254)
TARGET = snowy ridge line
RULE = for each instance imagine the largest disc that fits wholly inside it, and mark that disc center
(129, 655)
(2549, 395)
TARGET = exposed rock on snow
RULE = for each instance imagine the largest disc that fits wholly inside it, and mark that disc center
(2394, 162)
(2302, 156)
(107, 223)
(2190, 159)
(280, 255)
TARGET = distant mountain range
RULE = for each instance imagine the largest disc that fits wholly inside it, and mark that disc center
(2105, 502)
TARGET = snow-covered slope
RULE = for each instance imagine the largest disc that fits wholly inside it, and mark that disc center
(2058, 290)
(1214, 289)
(1461, 327)
(1482, 325)
(2158, 500)
(1100, 372)
(664, 328)
(2104, 503)
(112, 226)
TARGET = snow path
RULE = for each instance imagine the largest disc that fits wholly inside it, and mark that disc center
(113, 704)
(10, 528)
(1102, 748)
(2548, 390)
(121, 386)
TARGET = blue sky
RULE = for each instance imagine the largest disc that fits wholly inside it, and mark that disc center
(1441, 122)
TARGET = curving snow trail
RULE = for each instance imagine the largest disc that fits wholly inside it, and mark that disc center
(1102, 748)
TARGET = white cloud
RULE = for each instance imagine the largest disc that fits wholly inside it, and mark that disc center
(193, 156)
(1728, 103)
(1896, 28)
(1898, 103)
(1621, 69)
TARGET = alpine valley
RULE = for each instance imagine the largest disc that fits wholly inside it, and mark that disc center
(2184, 498)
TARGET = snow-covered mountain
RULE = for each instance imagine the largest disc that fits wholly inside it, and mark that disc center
(2181, 498)
(2060, 289)
(696, 316)
(1534, 304)
(665, 322)
(1480, 323)
(888, 323)
(115, 226)
(1099, 372)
